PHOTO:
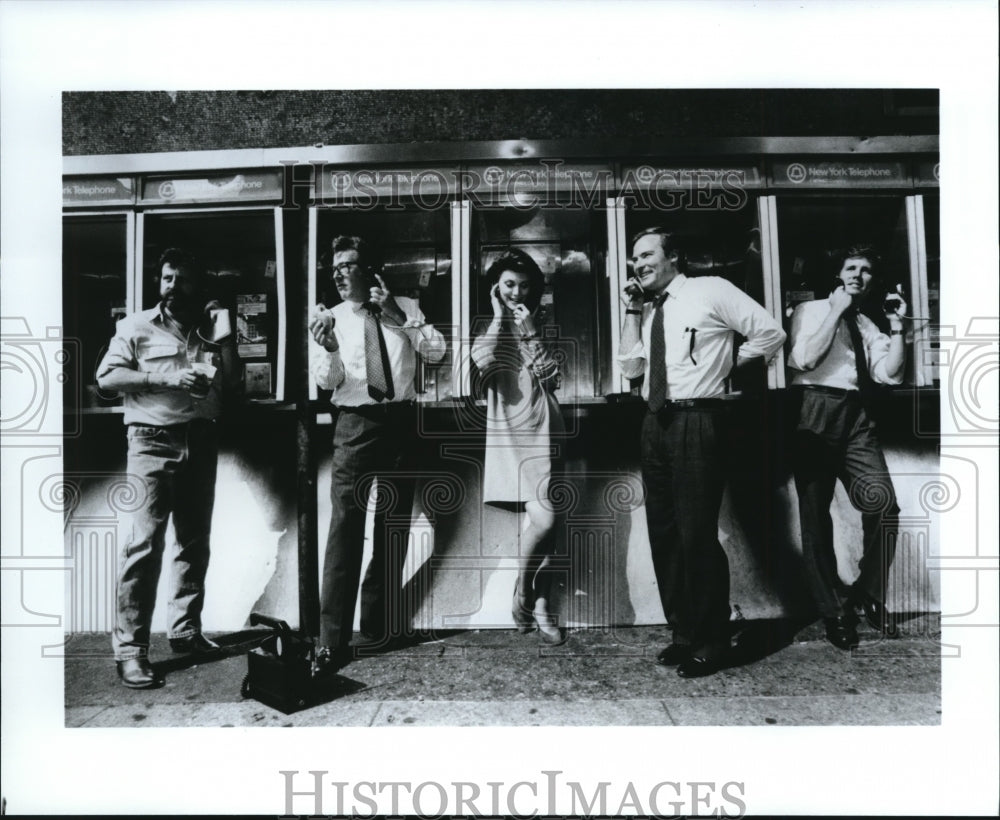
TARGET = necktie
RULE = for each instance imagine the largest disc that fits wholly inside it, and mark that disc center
(657, 359)
(860, 359)
(376, 358)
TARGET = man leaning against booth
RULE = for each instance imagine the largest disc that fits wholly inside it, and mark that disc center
(172, 364)
(679, 333)
(838, 354)
(364, 350)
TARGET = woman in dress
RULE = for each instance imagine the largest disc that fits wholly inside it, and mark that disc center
(523, 418)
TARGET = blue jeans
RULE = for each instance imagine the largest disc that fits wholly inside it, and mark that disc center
(177, 466)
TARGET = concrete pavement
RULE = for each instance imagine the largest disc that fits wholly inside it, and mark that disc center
(783, 674)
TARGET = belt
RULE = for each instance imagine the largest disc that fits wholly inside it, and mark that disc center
(830, 391)
(380, 410)
(178, 426)
(696, 404)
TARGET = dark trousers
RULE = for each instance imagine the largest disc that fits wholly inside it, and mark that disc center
(683, 468)
(368, 444)
(836, 439)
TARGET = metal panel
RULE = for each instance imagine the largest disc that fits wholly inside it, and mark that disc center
(461, 225)
(279, 261)
(923, 367)
(313, 254)
(768, 215)
(617, 256)
(395, 153)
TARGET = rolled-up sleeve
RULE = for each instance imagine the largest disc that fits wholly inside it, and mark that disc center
(425, 339)
(326, 368)
(877, 344)
(633, 362)
(121, 353)
(804, 326)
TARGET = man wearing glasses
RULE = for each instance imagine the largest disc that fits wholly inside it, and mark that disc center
(364, 351)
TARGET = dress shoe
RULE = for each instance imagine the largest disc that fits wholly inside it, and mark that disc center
(520, 611)
(328, 661)
(841, 632)
(674, 654)
(879, 618)
(137, 673)
(548, 629)
(196, 644)
(697, 667)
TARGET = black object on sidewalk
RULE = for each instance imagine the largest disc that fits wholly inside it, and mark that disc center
(279, 671)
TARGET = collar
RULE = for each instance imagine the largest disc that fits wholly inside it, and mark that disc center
(671, 290)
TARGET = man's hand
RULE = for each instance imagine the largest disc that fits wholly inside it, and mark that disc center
(895, 307)
(633, 294)
(187, 379)
(840, 300)
(381, 295)
(321, 325)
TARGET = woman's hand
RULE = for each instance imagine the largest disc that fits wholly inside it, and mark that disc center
(524, 321)
(495, 301)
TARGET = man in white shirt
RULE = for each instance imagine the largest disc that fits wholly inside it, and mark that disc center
(364, 351)
(838, 353)
(679, 333)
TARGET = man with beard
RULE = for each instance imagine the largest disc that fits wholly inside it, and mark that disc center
(364, 352)
(171, 363)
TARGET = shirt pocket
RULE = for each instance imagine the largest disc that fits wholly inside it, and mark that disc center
(159, 357)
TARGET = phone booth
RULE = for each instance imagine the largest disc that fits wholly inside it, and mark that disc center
(828, 204)
(406, 215)
(222, 220)
(824, 203)
(98, 277)
(553, 211)
(716, 212)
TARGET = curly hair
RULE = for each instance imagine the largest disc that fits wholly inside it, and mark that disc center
(518, 261)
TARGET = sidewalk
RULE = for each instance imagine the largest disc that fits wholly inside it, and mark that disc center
(500, 678)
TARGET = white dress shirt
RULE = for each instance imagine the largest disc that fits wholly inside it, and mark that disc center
(344, 372)
(700, 316)
(837, 368)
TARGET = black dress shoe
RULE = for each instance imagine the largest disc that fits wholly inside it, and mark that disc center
(696, 667)
(196, 644)
(674, 654)
(841, 632)
(879, 618)
(137, 673)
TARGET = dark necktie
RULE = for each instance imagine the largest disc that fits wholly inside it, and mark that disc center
(860, 359)
(657, 359)
(376, 358)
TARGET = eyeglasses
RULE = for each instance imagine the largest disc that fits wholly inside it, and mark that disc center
(345, 268)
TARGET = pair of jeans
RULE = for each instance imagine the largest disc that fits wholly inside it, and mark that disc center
(175, 468)
(684, 472)
(836, 438)
(369, 443)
